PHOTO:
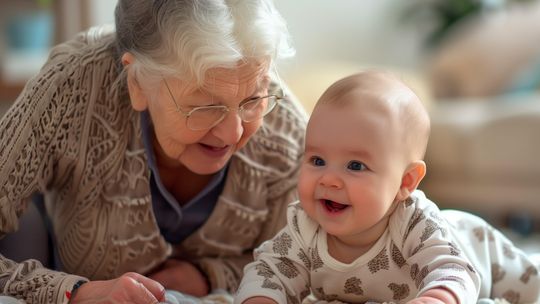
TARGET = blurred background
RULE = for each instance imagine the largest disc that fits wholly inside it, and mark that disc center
(475, 64)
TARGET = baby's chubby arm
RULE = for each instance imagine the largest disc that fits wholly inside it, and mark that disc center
(439, 266)
(436, 296)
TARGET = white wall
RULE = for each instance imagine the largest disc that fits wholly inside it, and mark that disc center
(340, 37)
(359, 30)
(102, 11)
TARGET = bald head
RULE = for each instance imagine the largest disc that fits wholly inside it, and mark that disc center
(388, 97)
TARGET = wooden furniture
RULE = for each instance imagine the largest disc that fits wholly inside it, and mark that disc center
(9, 91)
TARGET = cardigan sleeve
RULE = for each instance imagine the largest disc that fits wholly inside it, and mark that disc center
(32, 136)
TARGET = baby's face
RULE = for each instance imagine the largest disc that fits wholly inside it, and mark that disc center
(352, 168)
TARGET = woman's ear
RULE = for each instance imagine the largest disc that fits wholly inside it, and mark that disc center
(414, 173)
(139, 101)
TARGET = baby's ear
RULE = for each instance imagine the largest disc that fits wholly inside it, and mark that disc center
(412, 176)
(139, 101)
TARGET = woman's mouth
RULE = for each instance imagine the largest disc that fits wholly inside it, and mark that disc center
(333, 207)
(214, 151)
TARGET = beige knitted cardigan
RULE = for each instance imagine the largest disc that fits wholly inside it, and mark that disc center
(74, 136)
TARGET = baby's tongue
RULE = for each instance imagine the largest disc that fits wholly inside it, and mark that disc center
(334, 206)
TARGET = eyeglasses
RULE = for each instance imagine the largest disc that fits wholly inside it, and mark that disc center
(207, 117)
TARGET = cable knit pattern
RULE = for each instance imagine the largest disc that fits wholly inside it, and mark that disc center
(75, 138)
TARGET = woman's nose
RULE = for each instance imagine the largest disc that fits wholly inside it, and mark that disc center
(230, 129)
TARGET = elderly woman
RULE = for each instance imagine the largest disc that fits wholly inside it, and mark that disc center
(165, 153)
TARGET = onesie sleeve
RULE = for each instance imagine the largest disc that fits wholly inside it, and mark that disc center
(435, 260)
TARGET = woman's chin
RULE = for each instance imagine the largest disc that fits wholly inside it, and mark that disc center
(205, 166)
(206, 170)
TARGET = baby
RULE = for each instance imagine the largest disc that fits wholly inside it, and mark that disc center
(362, 232)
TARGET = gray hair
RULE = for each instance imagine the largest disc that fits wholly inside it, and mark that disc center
(185, 38)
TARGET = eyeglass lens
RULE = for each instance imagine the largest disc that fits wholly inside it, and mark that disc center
(207, 117)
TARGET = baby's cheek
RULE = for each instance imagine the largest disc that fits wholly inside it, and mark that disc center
(306, 188)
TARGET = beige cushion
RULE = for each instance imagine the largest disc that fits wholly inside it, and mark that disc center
(485, 156)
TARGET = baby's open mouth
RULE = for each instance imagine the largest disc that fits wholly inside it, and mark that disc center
(332, 206)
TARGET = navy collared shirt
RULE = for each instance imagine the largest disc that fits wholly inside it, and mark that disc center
(176, 222)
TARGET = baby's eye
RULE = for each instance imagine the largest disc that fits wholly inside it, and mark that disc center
(356, 165)
(317, 161)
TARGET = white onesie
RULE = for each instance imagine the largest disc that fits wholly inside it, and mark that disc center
(422, 248)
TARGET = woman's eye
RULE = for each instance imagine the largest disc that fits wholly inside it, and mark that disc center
(356, 166)
(317, 161)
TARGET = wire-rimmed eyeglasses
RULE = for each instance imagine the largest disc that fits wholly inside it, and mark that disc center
(207, 117)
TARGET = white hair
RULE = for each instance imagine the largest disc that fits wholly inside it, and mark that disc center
(185, 38)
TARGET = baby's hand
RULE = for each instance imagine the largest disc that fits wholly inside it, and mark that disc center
(259, 300)
(425, 300)
(435, 296)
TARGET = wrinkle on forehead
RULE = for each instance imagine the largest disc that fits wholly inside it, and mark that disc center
(239, 81)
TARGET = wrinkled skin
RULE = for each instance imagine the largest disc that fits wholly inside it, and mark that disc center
(129, 288)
